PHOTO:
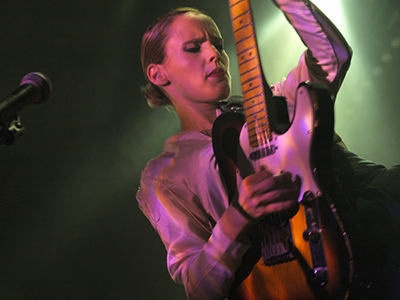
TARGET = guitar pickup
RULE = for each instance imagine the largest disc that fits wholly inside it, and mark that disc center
(263, 152)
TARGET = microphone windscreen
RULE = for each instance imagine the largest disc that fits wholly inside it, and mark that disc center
(42, 82)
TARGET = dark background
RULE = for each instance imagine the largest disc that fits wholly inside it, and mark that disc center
(70, 227)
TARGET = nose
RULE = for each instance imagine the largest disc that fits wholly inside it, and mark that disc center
(213, 53)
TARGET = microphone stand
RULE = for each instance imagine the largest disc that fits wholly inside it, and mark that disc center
(34, 88)
(11, 131)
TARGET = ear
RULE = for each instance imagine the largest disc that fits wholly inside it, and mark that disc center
(156, 75)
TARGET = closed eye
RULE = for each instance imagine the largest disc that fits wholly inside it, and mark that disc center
(192, 49)
(195, 47)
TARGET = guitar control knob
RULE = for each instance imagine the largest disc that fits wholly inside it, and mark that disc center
(312, 235)
(321, 276)
(308, 199)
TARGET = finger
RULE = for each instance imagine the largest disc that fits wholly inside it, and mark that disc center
(259, 176)
(276, 182)
(283, 179)
(274, 196)
(289, 208)
(291, 211)
(255, 183)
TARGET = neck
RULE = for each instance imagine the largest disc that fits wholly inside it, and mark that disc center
(197, 118)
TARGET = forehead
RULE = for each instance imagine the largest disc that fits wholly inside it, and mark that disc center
(192, 25)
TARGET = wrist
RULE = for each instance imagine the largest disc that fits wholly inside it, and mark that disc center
(235, 223)
(244, 213)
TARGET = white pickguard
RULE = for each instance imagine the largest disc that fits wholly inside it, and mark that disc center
(289, 151)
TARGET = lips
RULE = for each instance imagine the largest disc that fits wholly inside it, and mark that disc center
(216, 73)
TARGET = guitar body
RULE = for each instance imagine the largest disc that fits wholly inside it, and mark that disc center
(314, 260)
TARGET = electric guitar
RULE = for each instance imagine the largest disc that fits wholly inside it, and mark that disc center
(310, 255)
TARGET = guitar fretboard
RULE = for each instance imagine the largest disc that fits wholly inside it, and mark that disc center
(250, 72)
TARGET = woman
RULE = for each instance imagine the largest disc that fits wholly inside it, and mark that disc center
(182, 193)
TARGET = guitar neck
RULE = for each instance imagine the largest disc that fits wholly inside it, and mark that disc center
(250, 71)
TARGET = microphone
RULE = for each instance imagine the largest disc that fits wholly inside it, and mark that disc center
(34, 88)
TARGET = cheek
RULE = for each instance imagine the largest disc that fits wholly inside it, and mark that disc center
(185, 70)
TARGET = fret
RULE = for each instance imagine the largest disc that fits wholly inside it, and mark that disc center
(255, 107)
(261, 122)
(252, 84)
(244, 32)
(258, 116)
(249, 60)
(247, 70)
(257, 100)
(254, 96)
(245, 51)
(247, 57)
(238, 7)
(252, 79)
(247, 47)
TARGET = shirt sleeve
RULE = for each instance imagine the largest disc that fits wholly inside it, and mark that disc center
(327, 57)
(200, 255)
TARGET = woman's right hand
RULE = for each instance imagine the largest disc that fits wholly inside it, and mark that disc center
(262, 193)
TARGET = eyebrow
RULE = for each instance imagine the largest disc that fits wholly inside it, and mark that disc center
(203, 39)
(196, 40)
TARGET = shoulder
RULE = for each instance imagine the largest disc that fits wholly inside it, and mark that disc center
(183, 154)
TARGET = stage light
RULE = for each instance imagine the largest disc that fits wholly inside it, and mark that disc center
(333, 9)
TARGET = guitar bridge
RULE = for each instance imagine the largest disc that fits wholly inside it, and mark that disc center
(277, 246)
